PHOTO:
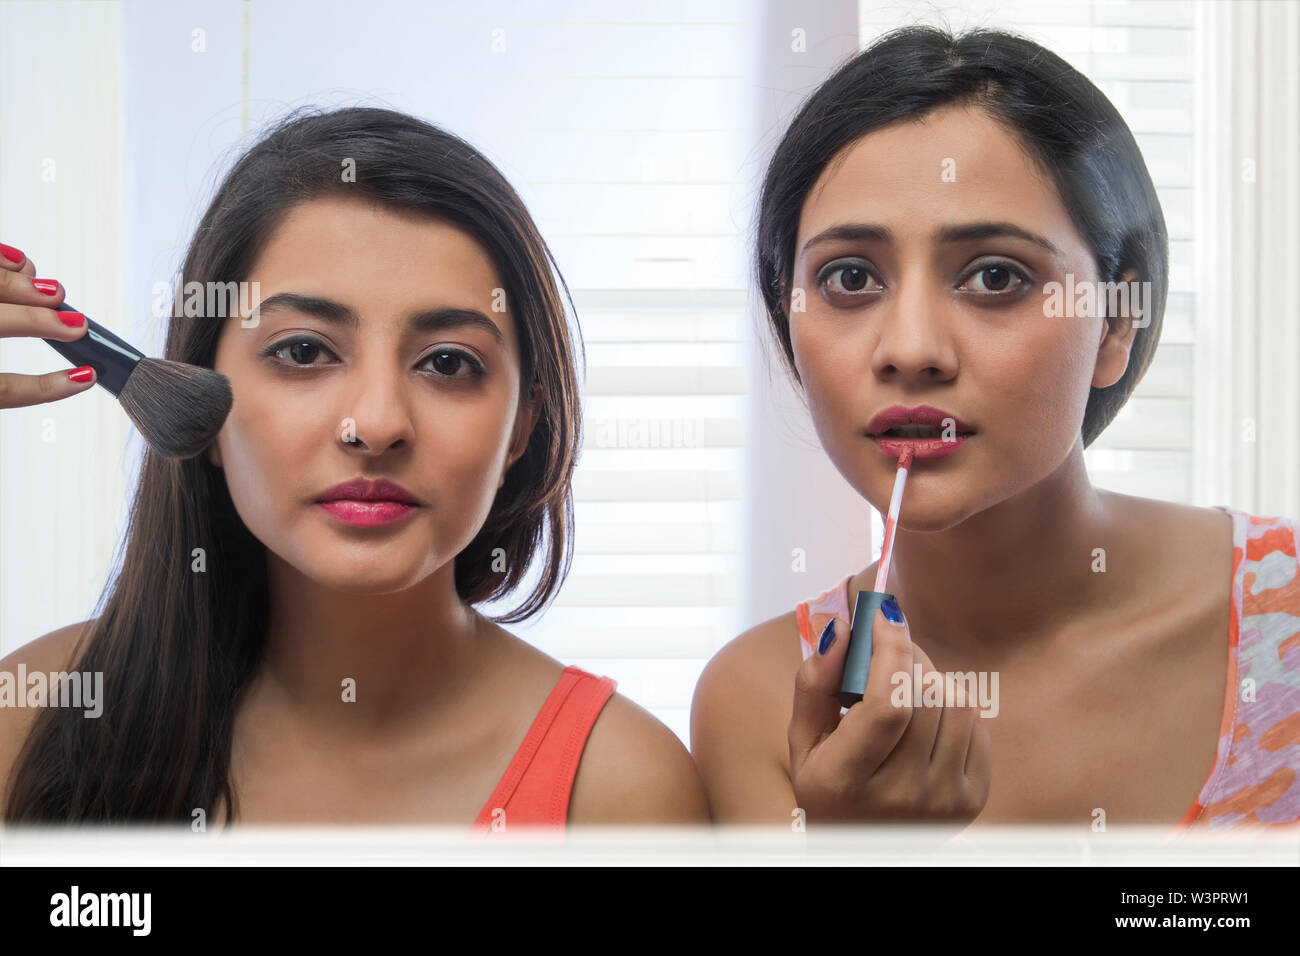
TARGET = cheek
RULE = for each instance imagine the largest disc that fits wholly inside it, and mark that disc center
(832, 369)
(1037, 382)
(266, 446)
(838, 386)
(462, 446)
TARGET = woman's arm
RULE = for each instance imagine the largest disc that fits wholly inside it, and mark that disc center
(739, 721)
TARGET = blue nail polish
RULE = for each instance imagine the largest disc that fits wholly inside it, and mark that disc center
(893, 613)
(828, 637)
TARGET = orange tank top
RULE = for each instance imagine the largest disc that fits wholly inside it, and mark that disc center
(534, 791)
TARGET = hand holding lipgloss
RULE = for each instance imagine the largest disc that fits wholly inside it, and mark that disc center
(881, 761)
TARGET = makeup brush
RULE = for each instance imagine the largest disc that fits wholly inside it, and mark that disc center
(857, 663)
(178, 408)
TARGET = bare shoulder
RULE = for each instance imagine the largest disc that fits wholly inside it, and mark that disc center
(1180, 548)
(54, 651)
(748, 685)
(759, 653)
(634, 771)
(740, 716)
(1174, 521)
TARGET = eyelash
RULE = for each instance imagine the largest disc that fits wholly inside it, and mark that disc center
(840, 266)
(476, 367)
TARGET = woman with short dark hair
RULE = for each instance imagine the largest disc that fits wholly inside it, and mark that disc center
(963, 258)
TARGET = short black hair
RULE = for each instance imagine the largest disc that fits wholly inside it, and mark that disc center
(1064, 122)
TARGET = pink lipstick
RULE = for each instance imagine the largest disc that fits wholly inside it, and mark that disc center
(927, 432)
(364, 503)
(368, 514)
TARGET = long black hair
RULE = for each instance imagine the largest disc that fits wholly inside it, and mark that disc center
(1062, 120)
(177, 648)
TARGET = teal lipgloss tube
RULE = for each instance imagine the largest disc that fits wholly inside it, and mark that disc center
(857, 664)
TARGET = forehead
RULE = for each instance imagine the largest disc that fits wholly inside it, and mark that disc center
(377, 260)
(956, 164)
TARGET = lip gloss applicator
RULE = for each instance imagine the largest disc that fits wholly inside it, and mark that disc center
(857, 664)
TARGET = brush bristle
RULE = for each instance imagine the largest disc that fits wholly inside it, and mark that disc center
(179, 408)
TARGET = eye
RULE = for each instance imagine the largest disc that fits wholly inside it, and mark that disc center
(454, 363)
(999, 278)
(302, 349)
(846, 278)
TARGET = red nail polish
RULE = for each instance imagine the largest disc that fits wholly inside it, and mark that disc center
(48, 286)
(10, 253)
(83, 374)
(74, 319)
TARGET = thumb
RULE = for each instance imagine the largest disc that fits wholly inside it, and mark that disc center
(816, 711)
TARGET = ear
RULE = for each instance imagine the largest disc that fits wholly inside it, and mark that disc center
(530, 409)
(1117, 335)
(214, 454)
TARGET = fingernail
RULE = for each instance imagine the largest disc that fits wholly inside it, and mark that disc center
(74, 319)
(48, 286)
(10, 253)
(828, 637)
(81, 375)
(893, 613)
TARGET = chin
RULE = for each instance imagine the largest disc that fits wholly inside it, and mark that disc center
(931, 501)
(359, 567)
(930, 514)
(364, 580)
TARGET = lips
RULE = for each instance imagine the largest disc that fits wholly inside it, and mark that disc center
(928, 432)
(362, 489)
(921, 422)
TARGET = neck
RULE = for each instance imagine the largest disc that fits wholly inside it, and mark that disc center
(401, 654)
(1008, 576)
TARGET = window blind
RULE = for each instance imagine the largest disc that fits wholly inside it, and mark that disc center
(633, 145)
(654, 587)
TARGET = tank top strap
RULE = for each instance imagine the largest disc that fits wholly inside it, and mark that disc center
(1256, 774)
(535, 789)
(814, 614)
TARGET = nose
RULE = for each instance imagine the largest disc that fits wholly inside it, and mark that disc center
(915, 342)
(378, 405)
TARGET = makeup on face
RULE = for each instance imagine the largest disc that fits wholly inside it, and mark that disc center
(367, 504)
(923, 432)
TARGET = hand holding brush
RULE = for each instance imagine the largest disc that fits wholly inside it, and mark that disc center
(178, 408)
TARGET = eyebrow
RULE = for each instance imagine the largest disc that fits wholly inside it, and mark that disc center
(967, 232)
(425, 320)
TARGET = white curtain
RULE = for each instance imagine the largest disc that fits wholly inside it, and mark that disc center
(1249, 353)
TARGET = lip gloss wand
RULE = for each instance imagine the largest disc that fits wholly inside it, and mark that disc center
(857, 664)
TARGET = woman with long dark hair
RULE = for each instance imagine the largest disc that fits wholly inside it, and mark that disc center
(292, 635)
(962, 256)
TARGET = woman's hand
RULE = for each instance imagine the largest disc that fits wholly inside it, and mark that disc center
(29, 306)
(880, 761)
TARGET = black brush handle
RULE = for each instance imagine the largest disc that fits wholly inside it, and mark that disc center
(112, 359)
